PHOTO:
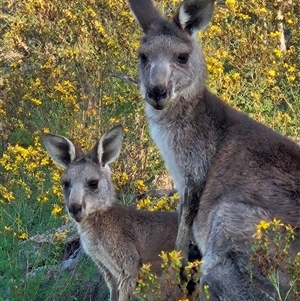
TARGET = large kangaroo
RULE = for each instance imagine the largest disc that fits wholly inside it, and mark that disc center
(246, 171)
(118, 238)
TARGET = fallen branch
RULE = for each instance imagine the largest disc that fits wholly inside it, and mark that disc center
(125, 77)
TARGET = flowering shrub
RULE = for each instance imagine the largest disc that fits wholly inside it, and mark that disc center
(56, 61)
(169, 285)
(252, 52)
(272, 251)
(164, 203)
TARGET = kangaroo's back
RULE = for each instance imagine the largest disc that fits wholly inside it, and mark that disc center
(149, 232)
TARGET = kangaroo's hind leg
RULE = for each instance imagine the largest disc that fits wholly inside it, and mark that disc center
(226, 254)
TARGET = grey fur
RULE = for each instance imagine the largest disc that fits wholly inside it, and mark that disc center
(246, 171)
(118, 238)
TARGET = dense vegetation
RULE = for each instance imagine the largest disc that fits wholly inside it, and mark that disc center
(57, 62)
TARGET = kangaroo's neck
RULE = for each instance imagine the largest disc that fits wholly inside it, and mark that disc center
(187, 135)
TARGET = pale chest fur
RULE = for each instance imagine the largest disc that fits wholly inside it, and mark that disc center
(97, 248)
(182, 154)
(162, 139)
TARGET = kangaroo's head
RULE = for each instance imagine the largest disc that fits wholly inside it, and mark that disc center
(86, 182)
(171, 63)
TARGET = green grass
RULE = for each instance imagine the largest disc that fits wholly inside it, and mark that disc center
(56, 61)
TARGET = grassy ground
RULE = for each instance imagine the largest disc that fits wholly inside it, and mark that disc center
(56, 61)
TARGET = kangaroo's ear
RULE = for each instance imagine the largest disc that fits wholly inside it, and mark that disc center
(145, 13)
(109, 145)
(194, 15)
(60, 149)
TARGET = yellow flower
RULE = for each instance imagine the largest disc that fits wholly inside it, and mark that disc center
(42, 198)
(262, 10)
(206, 291)
(291, 69)
(59, 236)
(91, 12)
(263, 225)
(144, 203)
(215, 29)
(164, 256)
(107, 100)
(175, 257)
(36, 101)
(7, 228)
(6, 194)
(235, 75)
(124, 177)
(45, 130)
(214, 66)
(275, 34)
(272, 73)
(56, 209)
(277, 52)
(140, 186)
(231, 4)
(289, 228)
(23, 236)
(194, 264)
(254, 95)
(45, 161)
(277, 222)
(291, 78)
(286, 118)
(56, 176)
(244, 16)
(114, 120)
(176, 196)
(146, 268)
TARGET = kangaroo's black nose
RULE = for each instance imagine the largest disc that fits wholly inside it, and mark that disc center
(157, 93)
(75, 209)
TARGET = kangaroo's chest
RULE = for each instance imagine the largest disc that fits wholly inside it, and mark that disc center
(97, 249)
(163, 140)
(183, 155)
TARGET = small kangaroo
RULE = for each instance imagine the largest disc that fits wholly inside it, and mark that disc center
(118, 238)
(245, 171)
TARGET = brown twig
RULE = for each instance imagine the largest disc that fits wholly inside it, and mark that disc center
(125, 77)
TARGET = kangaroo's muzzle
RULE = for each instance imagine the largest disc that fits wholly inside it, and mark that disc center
(75, 211)
(157, 93)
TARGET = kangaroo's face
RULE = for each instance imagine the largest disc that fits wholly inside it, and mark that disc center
(87, 185)
(171, 64)
(171, 67)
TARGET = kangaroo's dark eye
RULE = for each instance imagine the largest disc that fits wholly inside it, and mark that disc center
(183, 58)
(66, 184)
(93, 184)
(143, 58)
